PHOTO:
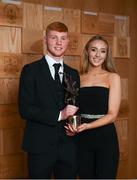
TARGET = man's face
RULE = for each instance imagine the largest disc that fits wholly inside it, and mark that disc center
(57, 43)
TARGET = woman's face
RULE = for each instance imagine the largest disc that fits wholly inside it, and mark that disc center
(97, 52)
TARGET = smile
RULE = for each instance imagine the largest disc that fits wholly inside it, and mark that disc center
(58, 48)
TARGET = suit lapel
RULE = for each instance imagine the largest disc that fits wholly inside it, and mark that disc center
(67, 69)
(49, 82)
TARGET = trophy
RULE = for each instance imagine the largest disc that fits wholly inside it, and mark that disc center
(71, 92)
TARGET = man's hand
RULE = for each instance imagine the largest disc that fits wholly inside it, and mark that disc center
(69, 110)
(70, 131)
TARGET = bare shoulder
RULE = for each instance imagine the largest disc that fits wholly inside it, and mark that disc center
(114, 77)
(82, 77)
(114, 80)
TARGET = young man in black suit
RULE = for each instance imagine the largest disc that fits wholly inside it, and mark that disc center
(41, 104)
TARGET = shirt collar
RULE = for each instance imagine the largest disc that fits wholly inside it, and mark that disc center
(51, 61)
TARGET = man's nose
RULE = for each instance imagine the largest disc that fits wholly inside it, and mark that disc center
(59, 41)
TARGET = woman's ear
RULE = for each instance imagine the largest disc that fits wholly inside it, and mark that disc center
(86, 53)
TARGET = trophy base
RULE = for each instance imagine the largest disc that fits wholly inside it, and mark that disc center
(74, 121)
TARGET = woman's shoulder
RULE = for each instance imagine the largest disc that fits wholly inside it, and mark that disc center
(114, 78)
(113, 75)
(82, 76)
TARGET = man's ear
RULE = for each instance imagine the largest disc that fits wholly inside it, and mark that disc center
(44, 44)
(69, 37)
(45, 39)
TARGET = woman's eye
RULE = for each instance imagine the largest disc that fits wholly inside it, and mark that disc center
(93, 49)
(103, 51)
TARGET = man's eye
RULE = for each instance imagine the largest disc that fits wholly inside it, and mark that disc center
(63, 38)
(52, 37)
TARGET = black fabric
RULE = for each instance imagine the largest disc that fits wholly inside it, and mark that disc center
(60, 93)
(94, 100)
(39, 106)
(61, 159)
(56, 67)
(98, 148)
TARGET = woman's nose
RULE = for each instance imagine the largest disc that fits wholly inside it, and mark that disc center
(97, 53)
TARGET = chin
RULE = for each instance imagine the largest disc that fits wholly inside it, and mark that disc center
(96, 65)
(58, 54)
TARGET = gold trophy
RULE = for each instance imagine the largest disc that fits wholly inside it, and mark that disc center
(71, 93)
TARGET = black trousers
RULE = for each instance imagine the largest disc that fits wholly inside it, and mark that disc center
(59, 161)
(98, 164)
(98, 153)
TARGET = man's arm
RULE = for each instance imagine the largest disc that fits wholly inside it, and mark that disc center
(28, 108)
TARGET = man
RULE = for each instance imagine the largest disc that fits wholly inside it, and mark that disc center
(41, 104)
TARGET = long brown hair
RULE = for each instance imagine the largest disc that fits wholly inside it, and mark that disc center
(108, 63)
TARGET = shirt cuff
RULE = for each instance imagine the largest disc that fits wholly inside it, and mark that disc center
(59, 118)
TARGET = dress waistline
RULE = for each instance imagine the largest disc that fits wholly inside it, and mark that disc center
(92, 116)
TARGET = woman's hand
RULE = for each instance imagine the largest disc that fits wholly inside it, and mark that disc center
(82, 127)
(70, 131)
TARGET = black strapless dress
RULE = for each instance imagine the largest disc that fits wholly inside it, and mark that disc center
(98, 148)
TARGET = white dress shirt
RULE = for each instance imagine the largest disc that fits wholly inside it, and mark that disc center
(50, 62)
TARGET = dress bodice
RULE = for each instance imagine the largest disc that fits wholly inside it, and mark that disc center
(93, 100)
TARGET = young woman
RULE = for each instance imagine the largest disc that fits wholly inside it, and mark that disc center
(99, 102)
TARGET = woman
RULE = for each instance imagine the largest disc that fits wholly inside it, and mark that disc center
(99, 98)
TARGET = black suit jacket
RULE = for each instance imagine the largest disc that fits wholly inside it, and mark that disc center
(38, 105)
